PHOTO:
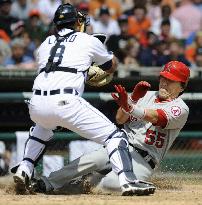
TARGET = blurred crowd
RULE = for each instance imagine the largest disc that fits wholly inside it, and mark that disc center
(139, 32)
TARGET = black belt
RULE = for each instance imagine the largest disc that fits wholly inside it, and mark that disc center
(58, 68)
(145, 155)
(55, 92)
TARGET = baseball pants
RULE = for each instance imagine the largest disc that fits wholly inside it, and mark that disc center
(96, 162)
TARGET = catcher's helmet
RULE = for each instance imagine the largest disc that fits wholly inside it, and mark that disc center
(176, 71)
(65, 13)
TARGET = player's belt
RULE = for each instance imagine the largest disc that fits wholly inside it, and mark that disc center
(55, 92)
(58, 68)
(145, 155)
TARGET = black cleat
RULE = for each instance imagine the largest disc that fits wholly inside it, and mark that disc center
(139, 188)
(37, 186)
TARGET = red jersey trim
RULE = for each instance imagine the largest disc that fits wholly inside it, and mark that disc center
(162, 119)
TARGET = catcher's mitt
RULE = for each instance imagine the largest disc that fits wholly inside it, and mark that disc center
(98, 77)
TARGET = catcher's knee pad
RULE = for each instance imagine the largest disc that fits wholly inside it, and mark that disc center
(36, 143)
(41, 133)
(119, 138)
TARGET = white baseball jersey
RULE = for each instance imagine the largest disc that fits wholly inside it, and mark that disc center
(69, 54)
(154, 139)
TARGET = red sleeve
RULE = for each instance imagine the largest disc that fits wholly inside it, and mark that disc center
(162, 119)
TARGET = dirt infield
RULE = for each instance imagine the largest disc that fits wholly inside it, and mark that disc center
(170, 192)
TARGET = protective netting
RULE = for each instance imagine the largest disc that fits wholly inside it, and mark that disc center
(184, 156)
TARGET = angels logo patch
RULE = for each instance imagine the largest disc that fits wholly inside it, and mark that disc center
(176, 111)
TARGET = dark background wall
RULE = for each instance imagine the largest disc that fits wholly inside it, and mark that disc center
(14, 115)
(12, 84)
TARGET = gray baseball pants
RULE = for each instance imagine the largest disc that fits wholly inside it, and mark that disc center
(96, 161)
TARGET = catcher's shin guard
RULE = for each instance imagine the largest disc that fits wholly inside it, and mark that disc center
(117, 146)
(36, 144)
(34, 150)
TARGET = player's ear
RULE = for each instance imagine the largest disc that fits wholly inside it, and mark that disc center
(80, 26)
(79, 21)
(182, 89)
(183, 86)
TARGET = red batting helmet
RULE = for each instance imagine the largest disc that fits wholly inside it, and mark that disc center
(176, 71)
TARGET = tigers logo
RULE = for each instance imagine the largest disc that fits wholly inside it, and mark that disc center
(176, 111)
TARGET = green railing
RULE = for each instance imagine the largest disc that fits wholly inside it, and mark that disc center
(21, 96)
(7, 136)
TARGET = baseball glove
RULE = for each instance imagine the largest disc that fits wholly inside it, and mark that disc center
(98, 77)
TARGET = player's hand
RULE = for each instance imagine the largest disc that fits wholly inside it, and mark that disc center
(122, 98)
(140, 90)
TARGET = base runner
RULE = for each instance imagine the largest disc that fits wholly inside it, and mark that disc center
(152, 121)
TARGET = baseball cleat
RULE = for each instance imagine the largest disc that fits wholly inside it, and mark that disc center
(21, 181)
(139, 188)
(38, 186)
